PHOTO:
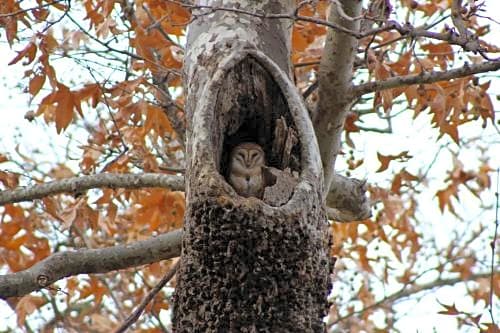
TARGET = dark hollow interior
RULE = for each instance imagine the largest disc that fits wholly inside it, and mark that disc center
(249, 104)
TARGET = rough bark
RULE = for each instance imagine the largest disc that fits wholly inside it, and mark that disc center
(248, 266)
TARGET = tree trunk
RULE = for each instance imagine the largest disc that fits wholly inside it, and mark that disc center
(249, 265)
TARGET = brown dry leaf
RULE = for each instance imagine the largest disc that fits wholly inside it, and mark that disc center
(363, 260)
(402, 178)
(93, 287)
(386, 159)
(439, 53)
(156, 120)
(15, 243)
(9, 180)
(444, 197)
(450, 310)
(90, 93)
(101, 323)
(464, 268)
(29, 52)
(35, 84)
(481, 290)
(483, 177)
(58, 106)
(365, 295)
(26, 306)
(450, 129)
(48, 44)
(64, 108)
(70, 213)
(61, 171)
(47, 69)
(491, 328)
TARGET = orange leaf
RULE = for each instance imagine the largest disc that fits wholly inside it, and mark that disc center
(64, 111)
(15, 243)
(349, 122)
(8, 179)
(492, 328)
(10, 29)
(36, 83)
(29, 52)
(450, 129)
(445, 195)
(450, 310)
(386, 159)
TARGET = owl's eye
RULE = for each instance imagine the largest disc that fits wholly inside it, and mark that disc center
(253, 155)
(240, 155)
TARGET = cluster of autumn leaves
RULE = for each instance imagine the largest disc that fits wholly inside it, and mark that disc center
(134, 134)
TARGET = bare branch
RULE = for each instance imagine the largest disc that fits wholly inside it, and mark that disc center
(468, 43)
(412, 290)
(424, 77)
(137, 312)
(90, 261)
(83, 183)
(493, 249)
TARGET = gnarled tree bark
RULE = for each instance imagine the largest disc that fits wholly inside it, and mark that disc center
(248, 265)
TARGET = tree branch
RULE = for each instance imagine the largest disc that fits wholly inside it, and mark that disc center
(335, 77)
(90, 261)
(467, 42)
(83, 183)
(414, 289)
(347, 200)
(348, 203)
(424, 77)
(132, 318)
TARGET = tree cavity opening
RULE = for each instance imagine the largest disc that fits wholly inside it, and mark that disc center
(250, 107)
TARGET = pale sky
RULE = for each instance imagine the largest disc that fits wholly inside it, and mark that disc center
(422, 315)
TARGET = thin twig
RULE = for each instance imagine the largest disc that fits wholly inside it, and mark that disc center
(113, 120)
(132, 318)
(157, 25)
(21, 11)
(493, 246)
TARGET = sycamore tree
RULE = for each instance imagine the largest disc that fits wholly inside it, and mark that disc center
(115, 211)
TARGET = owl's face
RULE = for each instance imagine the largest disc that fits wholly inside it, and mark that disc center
(245, 169)
(247, 157)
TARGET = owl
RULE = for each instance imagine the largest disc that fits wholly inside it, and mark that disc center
(245, 169)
